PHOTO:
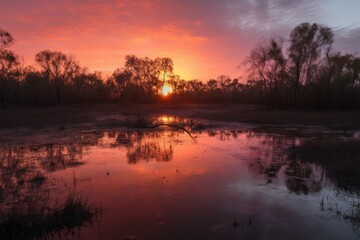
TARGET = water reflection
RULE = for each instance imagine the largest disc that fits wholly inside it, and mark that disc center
(150, 151)
(160, 181)
(29, 208)
(144, 146)
(303, 177)
(25, 166)
(28, 164)
(273, 156)
(269, 154)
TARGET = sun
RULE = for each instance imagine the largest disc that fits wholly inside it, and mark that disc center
(166, 90)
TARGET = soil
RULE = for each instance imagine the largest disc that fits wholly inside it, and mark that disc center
(66, 116)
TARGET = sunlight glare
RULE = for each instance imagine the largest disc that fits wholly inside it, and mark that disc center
(166, 119)
(166, 90)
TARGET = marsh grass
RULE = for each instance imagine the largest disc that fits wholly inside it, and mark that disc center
(43, 221)
(354, 218)
(340, 157)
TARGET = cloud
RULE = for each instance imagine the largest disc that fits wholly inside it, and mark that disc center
(172, 32)
(269, 15)
(205, 38)
(348, 40)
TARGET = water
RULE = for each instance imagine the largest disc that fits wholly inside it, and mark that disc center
(163, 184)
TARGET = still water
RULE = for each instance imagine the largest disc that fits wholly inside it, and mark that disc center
(164, 184)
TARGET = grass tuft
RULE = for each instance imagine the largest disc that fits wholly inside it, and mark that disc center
(41, 222)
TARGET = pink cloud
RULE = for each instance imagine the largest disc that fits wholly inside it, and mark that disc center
(205, 38)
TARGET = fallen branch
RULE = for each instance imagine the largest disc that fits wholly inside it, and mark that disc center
(172, 126)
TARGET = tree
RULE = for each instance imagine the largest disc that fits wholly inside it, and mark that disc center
(345, 78)
(174, 83)
(308, 45)
(354, 67)
(8, 61)
(58, 68)
(306, 64)
(88, 87)
(212, 85)
(166, 66)
(35, 87)
(267, 65)
(5, 39)
(147, 72)
(224, 82)
(9, 73)
(126, 88)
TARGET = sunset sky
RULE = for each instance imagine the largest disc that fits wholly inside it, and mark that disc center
(205, 38)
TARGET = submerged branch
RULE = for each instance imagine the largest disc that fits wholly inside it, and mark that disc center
(172, 126)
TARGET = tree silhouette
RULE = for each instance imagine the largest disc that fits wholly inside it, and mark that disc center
(7, 61)
(5, 39)
(9, 72)
(308, 74)
(308, 44)
(147, 72)
(268, 66)
(58, 68)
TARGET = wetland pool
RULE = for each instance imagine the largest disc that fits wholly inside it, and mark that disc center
(161, 183)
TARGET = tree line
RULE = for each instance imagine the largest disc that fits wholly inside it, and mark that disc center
(305, 74)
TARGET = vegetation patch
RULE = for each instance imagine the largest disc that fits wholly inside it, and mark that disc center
(42, 222)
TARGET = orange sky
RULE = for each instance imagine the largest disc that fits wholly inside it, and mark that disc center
(205, 38)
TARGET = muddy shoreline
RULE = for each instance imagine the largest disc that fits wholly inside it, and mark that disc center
(96, 115)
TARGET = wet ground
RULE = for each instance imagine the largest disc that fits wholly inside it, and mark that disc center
(212, 181)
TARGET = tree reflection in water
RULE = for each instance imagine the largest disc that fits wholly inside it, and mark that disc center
(274, 157)
(24, 168)
(146, 146)
(271, 156)
(28, 209)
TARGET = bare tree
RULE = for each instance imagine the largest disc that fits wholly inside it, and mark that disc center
(267, 65)
(58, 67)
